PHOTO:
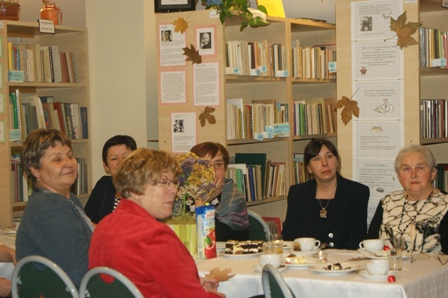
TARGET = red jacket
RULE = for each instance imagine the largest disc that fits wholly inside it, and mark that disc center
(148, 252)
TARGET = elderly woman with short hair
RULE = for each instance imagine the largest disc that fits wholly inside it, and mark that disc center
(419, 211)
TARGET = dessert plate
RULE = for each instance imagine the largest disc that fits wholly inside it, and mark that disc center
(349, 267)
(367, 275)
(280, 269)
(240, 256)
(300, 263)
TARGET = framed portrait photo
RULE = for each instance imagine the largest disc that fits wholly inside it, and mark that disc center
(205, 40)
(174, 5)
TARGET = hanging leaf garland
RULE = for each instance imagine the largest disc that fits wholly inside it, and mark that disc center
(350, 108)
(404, 30)
(192, 54)
(206, 115)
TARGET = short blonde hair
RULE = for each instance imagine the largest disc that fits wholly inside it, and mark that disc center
(143, 166)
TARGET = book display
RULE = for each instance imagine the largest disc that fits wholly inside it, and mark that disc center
(244, 83)
(44, 84)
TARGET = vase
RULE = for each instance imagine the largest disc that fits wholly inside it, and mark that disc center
(9, 11)
(52, 13)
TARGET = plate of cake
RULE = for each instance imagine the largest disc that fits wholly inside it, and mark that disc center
(242, 249)
(338, 268)
(299, 262)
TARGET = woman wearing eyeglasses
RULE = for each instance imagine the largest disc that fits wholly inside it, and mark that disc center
(232, 221)
(133, 241)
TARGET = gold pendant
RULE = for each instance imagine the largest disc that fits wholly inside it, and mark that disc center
(323, 213)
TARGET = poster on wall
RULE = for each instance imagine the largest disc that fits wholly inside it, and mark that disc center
(171, 46)
(183, 132)
(172, 87)
(377, 140)
(371, 19)
(379, 99)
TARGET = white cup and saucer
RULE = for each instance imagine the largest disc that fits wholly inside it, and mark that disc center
(376, 270)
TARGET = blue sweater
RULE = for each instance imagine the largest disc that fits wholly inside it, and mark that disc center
(52, 227)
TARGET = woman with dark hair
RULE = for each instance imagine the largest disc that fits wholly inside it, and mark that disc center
(328, 207)
(54, 224)
(232, 221)
(104, 198)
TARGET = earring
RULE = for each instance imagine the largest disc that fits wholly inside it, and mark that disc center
(37, 179)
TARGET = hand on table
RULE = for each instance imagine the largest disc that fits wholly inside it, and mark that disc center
(211, 285)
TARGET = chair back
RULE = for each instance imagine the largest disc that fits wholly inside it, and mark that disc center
(258, 229)
(93, 286)
(37, 276)
(273, 283)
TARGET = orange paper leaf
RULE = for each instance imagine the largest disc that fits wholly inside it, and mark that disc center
(180, 25)
(206, 115)
(219, 275)
(404, 31)
(192, 55)
(350, 108)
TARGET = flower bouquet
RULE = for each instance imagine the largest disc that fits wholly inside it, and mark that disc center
(196, 184)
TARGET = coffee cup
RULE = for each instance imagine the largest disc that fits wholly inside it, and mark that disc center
(372, 245)
(377, 267)
(307, 243)
(273, 259)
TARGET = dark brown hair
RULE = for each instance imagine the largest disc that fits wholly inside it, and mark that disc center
(203, 149)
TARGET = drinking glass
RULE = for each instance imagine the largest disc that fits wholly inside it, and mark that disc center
(277, 243)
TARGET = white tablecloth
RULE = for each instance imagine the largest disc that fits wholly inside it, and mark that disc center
(423, 278)
(7, 268)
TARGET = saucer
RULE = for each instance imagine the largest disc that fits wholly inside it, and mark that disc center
(367, 275)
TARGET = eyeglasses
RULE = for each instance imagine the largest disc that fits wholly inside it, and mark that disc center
(217, 165)
(167, 182)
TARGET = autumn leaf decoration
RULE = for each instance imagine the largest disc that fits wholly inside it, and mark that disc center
(220, 275)
(180, 25)
(404, 30)
(206, 115)
(192, 54)
(350, 107)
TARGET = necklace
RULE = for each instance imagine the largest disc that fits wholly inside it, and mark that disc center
(415, 217)
(323, 211)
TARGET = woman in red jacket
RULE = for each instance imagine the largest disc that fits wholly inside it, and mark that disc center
(133, 241)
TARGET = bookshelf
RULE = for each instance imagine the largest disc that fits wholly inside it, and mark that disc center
(67, 39)
(265, 84)
(420, 83)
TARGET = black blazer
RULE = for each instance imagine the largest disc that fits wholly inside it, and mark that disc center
(346, 222)
(101, 200)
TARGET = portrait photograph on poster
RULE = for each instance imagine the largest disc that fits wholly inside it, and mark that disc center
(205, 40)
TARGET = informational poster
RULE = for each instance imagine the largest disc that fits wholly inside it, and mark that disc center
(377, 60)
(371, 19)
(378, 140)
(172, 87)
(171, 46)
(183, 132)
(206, 84)
(379, 99)
(381, 178)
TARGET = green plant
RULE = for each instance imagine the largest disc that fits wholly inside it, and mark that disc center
(239, 9)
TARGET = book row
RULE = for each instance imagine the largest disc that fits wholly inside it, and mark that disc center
(21, 190)
(314, 116)
(313, 62)
(433, 118)
(30, 112)
(260, 119)
(433, 47)
(38, 63)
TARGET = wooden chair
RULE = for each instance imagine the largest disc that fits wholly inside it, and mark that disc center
(258, 229)
(273, 283)
(37, 276)
(93, 286)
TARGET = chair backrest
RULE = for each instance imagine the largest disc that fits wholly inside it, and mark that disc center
(273, 283)
(258, 229)
(37, 276)
(92, 285)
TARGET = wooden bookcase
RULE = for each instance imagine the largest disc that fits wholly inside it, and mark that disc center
(283, 89)
(419, 83)
(68, 39)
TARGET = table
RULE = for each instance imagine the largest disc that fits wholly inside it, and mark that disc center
(422, 278)
(7, 268)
